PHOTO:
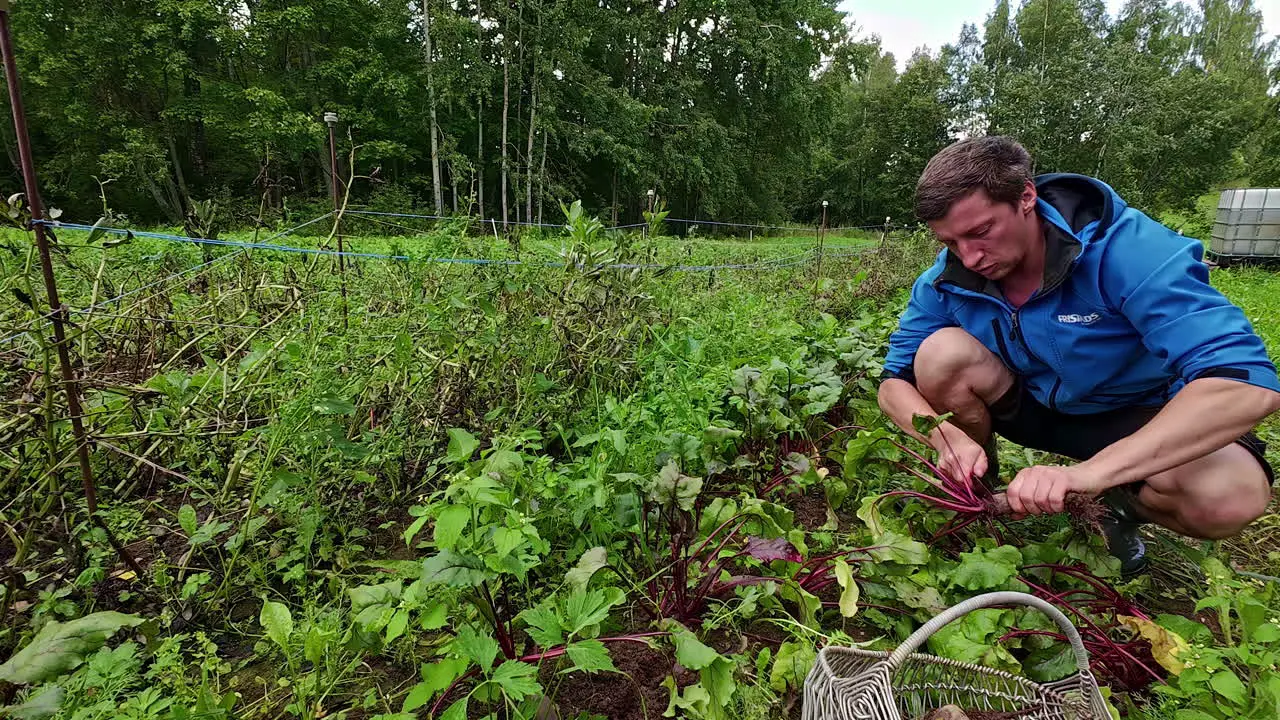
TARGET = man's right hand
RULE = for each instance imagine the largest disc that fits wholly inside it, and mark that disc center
(958, 455)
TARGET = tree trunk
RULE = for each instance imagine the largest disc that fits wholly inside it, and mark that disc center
(528, 154)
(506, 101)
(480, 155)
(437, 187)
(453, 185)
(542, 176)
(184, 197)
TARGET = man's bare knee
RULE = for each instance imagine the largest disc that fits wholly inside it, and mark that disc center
(1215, 497)
(952, 363)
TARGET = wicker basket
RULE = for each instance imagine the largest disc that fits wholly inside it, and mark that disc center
(853, 684)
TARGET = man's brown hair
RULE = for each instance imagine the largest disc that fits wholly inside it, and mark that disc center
(997, 164)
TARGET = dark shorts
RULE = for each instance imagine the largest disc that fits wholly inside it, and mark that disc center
(1021, 419)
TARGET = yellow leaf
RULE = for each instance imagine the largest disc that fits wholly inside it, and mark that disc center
(125, 575)
(1166, 645)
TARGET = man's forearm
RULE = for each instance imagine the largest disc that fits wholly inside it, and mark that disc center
(901, 401)
(1205, 416)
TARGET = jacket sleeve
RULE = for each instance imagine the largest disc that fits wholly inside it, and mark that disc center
(1159, 281)
(924, 315)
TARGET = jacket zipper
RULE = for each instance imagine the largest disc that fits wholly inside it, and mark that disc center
(1022, 338)
(1004, 349)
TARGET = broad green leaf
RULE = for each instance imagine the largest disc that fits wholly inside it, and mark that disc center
(972, 639)
(1186, 628)
(583, 609)
(791, 666)
(45, 705)
(316, 644)
(456, 711)
(690, 652)
(414, 528)
(671, 487)
(187, 519)
(808, 603)
(396, 626)
(450, 523)
(869, 514)
(462, 445)
(849, 593)
(418, 696)
(277, 621)
(518, 680)
(591, 561)
(332, 404)
(435, 678)
(505, 540)
(544, 624)
(1050, 664)
(1228, 685)
(926, 424)
(589, 656)
(1092, 551)
(503, 463)
(434, 617)
(1253, 613)
(717, 679)
(1266, 633)
(481, 648)
(387, 593)
(987, 569)
(894, 547)
(693, 698)
(61, 647)
(915, 595)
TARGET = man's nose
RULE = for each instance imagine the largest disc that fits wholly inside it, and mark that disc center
(972, 258)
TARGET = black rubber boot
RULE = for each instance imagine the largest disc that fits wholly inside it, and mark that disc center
(1120, 526)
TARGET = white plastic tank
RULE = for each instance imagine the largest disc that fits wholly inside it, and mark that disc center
(1247, 225)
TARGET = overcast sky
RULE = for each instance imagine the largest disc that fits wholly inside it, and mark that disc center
(904, 25)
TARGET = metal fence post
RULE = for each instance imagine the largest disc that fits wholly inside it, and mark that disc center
(57, 311)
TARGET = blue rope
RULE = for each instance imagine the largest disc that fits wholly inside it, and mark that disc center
(161, 281)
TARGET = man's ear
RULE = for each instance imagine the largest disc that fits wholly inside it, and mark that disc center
(1027, 202)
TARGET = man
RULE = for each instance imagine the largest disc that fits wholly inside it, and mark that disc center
(1064, 320)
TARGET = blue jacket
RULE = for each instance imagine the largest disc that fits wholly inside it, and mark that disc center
(1125, 317)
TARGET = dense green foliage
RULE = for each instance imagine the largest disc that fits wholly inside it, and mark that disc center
(466, 490)
(744, 111)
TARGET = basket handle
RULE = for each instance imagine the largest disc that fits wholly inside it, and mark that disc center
(955, 612)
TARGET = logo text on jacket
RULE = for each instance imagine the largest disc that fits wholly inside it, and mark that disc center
(1079, 319)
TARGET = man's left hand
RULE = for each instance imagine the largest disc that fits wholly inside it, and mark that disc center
(1043, 488)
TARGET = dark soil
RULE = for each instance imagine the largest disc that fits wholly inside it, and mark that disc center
(636, 695)
(810, 509)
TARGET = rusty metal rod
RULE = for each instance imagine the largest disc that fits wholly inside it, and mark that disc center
(58, 311)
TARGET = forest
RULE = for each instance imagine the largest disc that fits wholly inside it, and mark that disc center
(738, 110)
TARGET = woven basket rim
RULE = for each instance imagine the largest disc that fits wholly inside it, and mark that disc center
(882, 657)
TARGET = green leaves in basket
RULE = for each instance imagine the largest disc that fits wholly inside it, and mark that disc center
(973, 639)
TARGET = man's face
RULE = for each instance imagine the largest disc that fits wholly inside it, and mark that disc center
(990, 238)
